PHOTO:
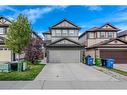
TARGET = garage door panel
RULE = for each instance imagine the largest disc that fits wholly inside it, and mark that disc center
(119, 55)
(64, 56)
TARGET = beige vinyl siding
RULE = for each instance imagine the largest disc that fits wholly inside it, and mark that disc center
(5, 55)
(94, 41)
(83, 39)
(72, 38)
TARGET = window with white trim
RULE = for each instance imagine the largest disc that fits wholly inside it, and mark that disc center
(71, 33)
(2, 30)
(110, 34)
(58, 32)
(91, 35)
(102, 34)
(64, 32)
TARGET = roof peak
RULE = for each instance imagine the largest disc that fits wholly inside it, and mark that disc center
(67, 20)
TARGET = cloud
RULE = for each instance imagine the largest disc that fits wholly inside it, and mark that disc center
(94, 8)
(4, 8)
(118, 17)
(121, 16)
(122, 26)
(35, 13)
(40, 33)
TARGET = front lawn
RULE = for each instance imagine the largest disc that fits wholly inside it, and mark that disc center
(29, 74)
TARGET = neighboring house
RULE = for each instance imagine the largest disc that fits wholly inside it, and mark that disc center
(61, 43)
(6, 54)
(47, 37)
(122, 35)
(103, 42)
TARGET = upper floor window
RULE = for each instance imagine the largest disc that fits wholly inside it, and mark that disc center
(47, 37)
(102, 34)
(64, 33)
(71, 33)
(58, 32)
(110, 34)
(53, 32)
(91, 35)
(2, 31)
(76, 33)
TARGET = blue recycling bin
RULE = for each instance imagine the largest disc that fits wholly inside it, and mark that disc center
(109, 63)
(89, 60)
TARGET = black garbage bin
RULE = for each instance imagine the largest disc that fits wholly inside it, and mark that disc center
(103, 62)
(14, 66)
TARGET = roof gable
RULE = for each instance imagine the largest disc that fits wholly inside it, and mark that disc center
(64, 42)
(4, 21)
(116, 42)
(108, 26)
(112, 42)
(65, 24)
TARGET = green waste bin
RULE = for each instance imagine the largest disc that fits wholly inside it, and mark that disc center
(5, 67)
(98, 61)
(25, 65)
(20, 66)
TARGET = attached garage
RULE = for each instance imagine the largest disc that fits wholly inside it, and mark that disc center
(113, 48)
(63, 51)
(64, 56)
(119, 55)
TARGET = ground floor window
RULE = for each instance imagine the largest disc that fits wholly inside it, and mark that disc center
(4, 49)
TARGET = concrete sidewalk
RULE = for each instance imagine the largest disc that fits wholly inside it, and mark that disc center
(122, 67)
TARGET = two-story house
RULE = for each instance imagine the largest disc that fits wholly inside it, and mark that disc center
(62, 43)
(6, 55)
(103, 42)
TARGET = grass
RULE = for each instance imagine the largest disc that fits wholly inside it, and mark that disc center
(116, 70)
(119, 71)
(30, 74)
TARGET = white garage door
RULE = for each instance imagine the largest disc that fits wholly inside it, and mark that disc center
(64, 56)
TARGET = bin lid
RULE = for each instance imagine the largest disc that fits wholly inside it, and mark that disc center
(88, 56)
(110, 59)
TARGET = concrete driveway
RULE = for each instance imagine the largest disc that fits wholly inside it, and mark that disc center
(67, 76)
(72, 72)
